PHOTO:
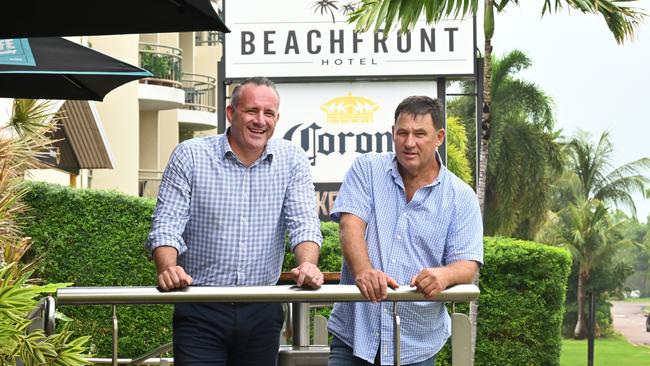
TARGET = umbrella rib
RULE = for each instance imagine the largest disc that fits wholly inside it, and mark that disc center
(81, 86)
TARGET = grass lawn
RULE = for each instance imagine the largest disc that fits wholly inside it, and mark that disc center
(641, 299)
(613, 351)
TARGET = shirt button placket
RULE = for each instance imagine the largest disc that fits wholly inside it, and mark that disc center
(243, 229)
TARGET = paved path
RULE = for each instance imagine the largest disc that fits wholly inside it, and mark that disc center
(629, 320)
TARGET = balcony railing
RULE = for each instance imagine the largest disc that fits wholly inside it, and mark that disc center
(461, 329)
(164, 62)
(209, 38)
(200, 92)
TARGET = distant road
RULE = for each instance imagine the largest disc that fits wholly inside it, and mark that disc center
(629, 320)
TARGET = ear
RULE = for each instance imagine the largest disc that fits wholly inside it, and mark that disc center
(440, 136)
(229, 112)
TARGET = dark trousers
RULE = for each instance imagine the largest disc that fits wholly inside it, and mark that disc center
(227, 334)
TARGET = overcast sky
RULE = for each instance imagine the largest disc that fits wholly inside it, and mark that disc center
(596, 84)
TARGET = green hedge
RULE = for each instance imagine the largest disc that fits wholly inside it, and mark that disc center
(523, 286)
(95, 238)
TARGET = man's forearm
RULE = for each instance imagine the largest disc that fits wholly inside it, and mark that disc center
(353, 243)
(307, 251)
(461, 272)
(165, 257)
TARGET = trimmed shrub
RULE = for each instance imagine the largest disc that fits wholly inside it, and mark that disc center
(523, 285)
(95, 238)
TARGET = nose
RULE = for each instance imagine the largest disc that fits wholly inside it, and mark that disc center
(259, 117)
(410, 140)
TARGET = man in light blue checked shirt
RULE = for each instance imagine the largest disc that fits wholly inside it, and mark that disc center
(224, 205)
(404, 220)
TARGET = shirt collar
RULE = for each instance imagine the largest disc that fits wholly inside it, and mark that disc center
(394, 171)
(224, 149)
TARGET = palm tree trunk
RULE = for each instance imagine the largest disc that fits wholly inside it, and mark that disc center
(488, 27)
(644, 283)
(580, 331)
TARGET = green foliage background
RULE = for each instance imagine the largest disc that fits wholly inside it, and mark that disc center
(523, 286)
(95, 238)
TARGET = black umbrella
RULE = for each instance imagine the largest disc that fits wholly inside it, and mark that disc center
(55, 68)
(46, 18)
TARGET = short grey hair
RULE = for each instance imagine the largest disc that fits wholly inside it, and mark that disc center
(256, 80)
(420, 105)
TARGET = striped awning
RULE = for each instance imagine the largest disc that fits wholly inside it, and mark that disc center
(83, 143)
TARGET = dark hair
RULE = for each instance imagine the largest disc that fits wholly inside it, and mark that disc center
(256, 80)
(419, 105)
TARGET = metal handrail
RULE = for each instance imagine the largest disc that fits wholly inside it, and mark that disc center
(282, 293)
(164, 62)
(286, 293)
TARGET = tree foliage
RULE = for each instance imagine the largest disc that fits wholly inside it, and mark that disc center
(582, 221)
(524, 159)
(23, 141)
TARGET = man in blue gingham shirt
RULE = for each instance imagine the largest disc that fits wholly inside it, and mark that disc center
(404, 220)
(224, 205)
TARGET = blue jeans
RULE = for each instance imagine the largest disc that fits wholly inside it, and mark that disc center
(341, 355)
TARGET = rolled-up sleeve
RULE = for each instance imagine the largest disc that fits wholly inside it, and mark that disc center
(299, 207)
(354, 196)
(173, 204)
(465, 235)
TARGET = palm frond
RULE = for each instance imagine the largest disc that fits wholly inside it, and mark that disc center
(378, 14)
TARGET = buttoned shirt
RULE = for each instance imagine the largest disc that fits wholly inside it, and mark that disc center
(440, 225)
(227, 220)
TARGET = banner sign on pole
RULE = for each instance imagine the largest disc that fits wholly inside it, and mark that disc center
(307, 39)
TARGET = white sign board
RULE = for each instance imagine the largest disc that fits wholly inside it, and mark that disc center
(299, 38)
(336, 122)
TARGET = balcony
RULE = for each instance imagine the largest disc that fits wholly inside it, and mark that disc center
(164, 90)
(210, 38)
(200, 110)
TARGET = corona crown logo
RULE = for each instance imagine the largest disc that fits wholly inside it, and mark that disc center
(350, 109)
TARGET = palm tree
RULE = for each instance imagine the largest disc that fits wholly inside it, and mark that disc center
(598, 178)
(456, 138)
(348, 8)
(518, 193)
(590, 182)
(586, 229)
(326, 6)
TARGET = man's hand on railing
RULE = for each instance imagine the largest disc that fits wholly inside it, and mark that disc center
(430, 281)
(373, 284)
(173, 277)
(307, 274)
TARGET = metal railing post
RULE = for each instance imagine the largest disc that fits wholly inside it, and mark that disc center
(300, 324)
(397, 348)
(115, 335)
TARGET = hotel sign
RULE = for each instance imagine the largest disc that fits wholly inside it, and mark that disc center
(307, 38)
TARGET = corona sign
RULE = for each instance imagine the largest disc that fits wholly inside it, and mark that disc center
(334, 123)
